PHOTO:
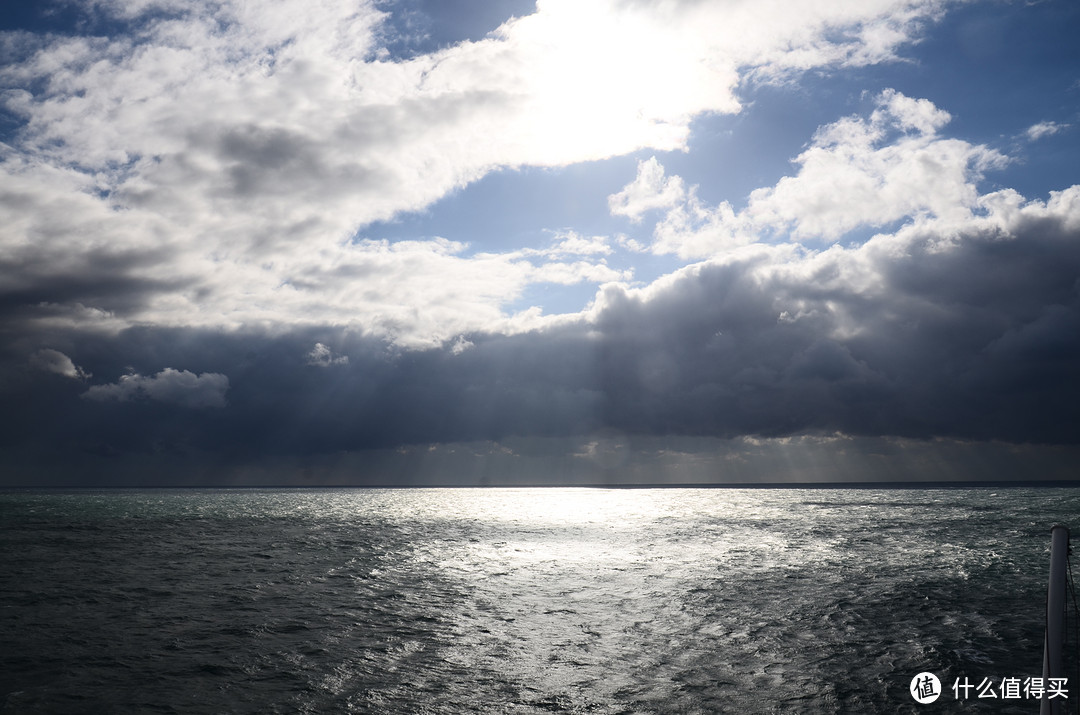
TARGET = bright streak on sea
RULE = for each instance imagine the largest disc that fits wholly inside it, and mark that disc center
(519, 600)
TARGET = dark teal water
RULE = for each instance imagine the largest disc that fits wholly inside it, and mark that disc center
(519, 600)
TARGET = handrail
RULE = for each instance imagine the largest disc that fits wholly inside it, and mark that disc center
(1054, 643)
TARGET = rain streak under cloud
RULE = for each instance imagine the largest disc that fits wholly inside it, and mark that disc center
(578, 242)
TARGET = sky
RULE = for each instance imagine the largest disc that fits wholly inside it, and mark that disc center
(443, 242)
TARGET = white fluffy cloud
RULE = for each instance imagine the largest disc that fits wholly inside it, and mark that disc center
(179, 387)
(650, 190)
(211, 165)
(858, 171)
(1044, 129)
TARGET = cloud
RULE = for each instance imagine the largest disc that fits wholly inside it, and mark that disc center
(178, 387)
(650, 190)
(214, 163)
(933, 331)
(461, 345)
(924, 341)
(857, 172)
(55, 361)
(322, 356)
(910, 333)
(572, 243)
(1044, 129)
(861, 173)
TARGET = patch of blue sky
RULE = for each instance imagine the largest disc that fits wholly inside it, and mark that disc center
(516, 208)
(1006, 65)
(419, 27)
(553, 298)
(999, 69)
(55, 17)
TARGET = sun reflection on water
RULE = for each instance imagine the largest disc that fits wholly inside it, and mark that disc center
(579, 506)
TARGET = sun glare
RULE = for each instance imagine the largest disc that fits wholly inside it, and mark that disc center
(604, 80)
(577, 506)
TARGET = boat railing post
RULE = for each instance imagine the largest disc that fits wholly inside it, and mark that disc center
(1054, 643)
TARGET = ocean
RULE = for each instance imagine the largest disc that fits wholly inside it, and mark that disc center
(522, 600)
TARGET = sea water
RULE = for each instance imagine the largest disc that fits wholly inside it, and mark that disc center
(521, 600)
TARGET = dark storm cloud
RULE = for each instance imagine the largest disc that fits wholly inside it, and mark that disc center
(974, 338)
(112, 280)
(179, 387)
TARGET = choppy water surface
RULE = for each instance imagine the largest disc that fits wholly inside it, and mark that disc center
(518, 600)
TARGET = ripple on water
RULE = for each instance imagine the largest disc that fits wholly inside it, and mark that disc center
(515, 600)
